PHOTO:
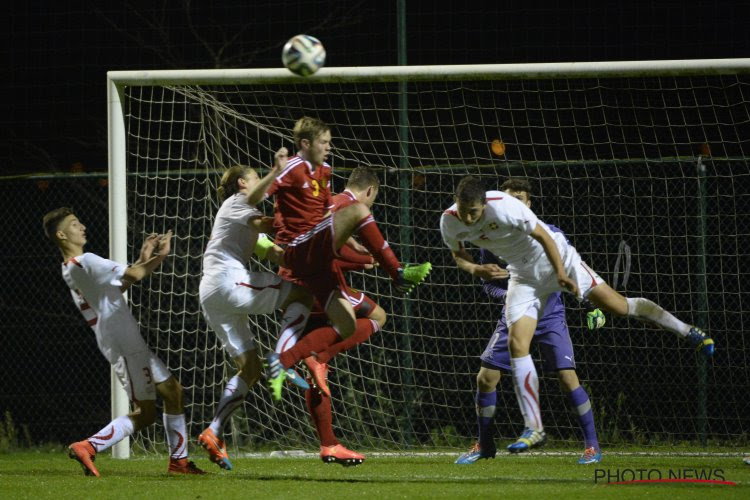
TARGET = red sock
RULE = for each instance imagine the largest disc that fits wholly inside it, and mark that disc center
(371, 238)
(319, 407)
(364, 329)
(317, 340)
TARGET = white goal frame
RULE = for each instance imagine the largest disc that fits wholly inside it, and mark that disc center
(117, 81)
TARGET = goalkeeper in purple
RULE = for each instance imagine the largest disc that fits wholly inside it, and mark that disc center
(539, 263)
(553, 339)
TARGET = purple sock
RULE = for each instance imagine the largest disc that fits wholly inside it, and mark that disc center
(485, 402)
(582, 407)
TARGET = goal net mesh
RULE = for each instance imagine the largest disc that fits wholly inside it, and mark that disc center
(647, 176)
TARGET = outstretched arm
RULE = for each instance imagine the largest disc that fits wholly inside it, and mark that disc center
(148, 261)
(553, 255)
(258, 191)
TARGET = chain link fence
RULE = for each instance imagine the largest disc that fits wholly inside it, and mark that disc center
(54, 381)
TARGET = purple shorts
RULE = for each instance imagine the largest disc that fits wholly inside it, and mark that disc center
(551, 336)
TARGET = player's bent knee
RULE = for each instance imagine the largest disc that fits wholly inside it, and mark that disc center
(379, 316)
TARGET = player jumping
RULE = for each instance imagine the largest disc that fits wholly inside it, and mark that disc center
(540, 263)
(553, 339)
(229, 291)
(313, 239)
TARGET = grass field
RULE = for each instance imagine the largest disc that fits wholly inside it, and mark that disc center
(549, 475)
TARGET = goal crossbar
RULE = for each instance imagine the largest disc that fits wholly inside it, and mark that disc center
(436, 72)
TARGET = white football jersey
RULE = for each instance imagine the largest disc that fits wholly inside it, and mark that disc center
(504, 229)
(95, 283)
(232, 238)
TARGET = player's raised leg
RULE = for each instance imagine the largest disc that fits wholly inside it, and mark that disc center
(644, 309)
(357, 219)
(342, 316)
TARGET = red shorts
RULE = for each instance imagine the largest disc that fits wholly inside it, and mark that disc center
(311, 257)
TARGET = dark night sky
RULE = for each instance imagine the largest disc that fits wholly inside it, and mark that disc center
(58, 53)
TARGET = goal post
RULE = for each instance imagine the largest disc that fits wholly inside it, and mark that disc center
(118, 230)
(643, 164)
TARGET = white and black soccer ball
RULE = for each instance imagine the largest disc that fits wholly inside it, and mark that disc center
(303, 55)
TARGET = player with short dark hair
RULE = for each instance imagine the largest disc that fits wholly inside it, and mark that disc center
(96, 285)
(361, 186)
(553, 339)
(540, 262)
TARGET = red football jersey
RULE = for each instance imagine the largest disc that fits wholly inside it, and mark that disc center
(303, 198)
(342, 200)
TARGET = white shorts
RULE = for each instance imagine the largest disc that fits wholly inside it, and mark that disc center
(139, 372)
(136, 366)
(527, 297)
(227, 300)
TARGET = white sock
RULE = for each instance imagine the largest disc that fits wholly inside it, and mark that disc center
(233, 397)
(292, 325)
(526, 383)
(176, 431)
(113, 433)
(644, 309)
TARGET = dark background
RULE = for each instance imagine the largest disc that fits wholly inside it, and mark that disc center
(53, 120)
(57, 54)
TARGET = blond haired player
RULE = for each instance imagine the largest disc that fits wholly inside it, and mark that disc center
(96, 285)
(315, 239)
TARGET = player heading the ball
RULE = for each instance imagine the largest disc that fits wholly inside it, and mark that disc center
(540, 263)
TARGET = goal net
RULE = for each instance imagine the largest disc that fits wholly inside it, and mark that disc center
(643, 165)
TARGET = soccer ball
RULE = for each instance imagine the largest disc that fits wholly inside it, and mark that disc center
(303, 55)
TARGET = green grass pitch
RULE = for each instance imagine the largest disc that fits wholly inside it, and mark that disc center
(547, 475)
